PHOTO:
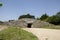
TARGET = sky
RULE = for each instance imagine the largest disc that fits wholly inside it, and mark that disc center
(12, 9)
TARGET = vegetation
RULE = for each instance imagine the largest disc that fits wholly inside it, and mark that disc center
(51, 27)
(15, 33)
(0, 4)
(1, 22)
(55, 19)
(11, 20)
(26, 16)
(44, 16)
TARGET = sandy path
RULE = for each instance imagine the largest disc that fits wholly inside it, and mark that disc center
(45, 34)
(2, 27)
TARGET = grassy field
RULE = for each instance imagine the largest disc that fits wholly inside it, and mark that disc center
(15, 33)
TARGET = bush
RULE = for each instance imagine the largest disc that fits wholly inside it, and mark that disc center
(1, 22)
(54, 20)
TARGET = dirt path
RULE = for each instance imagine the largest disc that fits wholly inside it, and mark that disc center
(45, 34)
(2, 27)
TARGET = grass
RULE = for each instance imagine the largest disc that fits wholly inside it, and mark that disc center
(51, 27)
(15, 33)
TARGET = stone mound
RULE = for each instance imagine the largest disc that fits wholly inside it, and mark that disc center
(27, 23)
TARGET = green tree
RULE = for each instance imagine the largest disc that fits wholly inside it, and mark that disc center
(0, 4)
(1, 22)
(26, 16)
(58, 14)
(55, 19)
(44, 16)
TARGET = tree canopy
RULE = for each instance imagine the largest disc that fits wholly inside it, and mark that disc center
(55, 19)
(0, 4)
(44, 16)
(58, 14)
(26, 16)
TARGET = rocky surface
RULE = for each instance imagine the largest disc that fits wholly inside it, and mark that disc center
(25, 21)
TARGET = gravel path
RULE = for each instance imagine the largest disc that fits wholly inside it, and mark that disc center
(45, 34)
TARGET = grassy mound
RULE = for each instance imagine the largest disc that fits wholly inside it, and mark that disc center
(15, 33)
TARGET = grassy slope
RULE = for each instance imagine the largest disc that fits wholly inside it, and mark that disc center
(14, 33)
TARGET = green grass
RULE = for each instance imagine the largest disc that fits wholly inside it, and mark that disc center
(51, 27)
(15, 33)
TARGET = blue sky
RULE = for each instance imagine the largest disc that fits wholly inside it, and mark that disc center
(12, 9)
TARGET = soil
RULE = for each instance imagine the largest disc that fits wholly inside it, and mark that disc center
(45, 34)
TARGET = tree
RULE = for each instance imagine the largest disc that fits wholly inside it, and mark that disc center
(1, 22)
(26, 16)
(0, 4)
(55, 19)
(44, 16)
(58, 14)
